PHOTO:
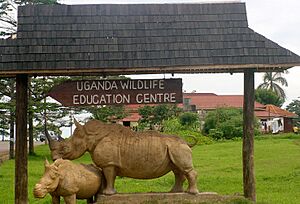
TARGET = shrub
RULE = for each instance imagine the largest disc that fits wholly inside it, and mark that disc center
(225, 123)
(215, 134)
(173, 127)
(189, 120)
(185, 134)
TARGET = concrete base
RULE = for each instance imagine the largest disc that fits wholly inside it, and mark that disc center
(166, 198)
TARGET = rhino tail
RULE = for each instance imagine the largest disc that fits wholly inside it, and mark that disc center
(195, 141)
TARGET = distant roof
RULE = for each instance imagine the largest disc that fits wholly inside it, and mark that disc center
(263, 114)
(213, 101)
(276, 110)
(138, 38)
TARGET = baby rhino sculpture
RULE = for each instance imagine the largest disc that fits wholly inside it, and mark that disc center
(69, 180)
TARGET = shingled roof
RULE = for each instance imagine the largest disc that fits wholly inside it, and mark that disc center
(139, 38)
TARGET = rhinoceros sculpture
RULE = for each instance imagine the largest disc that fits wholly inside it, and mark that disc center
(119, 151)
(69, 180)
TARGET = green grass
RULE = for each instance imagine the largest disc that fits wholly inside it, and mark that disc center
(277, 169)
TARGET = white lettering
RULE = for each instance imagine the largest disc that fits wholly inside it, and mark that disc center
(166, 97)
(139, 98)
(114, 85)
(124, 84)
(79, 86)
(75, 99)
(102, 99)
(156, 98)
(173, 98)
(161, 84)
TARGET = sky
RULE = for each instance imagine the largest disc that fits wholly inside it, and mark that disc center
(278, 20)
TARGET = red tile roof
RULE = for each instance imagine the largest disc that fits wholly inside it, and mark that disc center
(213, 101)
(265, 114)
(276, 110)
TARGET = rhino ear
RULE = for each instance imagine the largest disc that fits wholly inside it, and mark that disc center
(46, 163)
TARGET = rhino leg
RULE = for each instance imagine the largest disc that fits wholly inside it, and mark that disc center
(55, 199)
(110, 176)
(70, 199)
(181, 156)
(179, 179)
(192, 179)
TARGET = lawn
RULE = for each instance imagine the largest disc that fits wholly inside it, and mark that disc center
(277, 169)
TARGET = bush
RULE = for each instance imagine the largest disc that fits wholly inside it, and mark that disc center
(185, 135)
(172, 125)
(224, 123)
(189, 120)
(215, 134)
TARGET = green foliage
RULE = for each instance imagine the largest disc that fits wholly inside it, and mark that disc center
(186, 135)
(267, 96)
(224, 123)
(155, 115)
(294, 107)
(40, 107)
(107, 113)
(216, 134)
(190, 120)
(172, 126)
(272, 81)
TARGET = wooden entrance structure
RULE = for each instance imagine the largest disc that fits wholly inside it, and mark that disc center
(137, 39)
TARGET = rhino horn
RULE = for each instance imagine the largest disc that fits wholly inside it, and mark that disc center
(77, 124)
(49, 138)
(60, 138)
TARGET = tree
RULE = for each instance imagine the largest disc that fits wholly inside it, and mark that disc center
(107, 113)
(155, 115)
(7, 95)
(267, 96)
(272, 81)
(294, 107)
(4, 125)
(40, 106)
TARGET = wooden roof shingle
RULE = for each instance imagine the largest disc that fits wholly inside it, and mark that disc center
(139, 38)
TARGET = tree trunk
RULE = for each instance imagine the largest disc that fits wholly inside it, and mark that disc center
(21, 173)
(30, 132)
(30, 122)
(248, 136)
(12, 135)
(12, 122)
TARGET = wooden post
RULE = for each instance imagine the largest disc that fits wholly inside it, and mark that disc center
(248, 136)
(21, 180)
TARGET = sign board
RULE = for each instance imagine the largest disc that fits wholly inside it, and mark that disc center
(118, 92)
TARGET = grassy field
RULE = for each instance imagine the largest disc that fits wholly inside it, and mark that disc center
(277, 169)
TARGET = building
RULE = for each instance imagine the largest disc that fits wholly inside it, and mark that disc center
(272, 118)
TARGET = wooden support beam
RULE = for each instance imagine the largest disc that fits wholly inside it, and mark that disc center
(248, 136)
(21, 175)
